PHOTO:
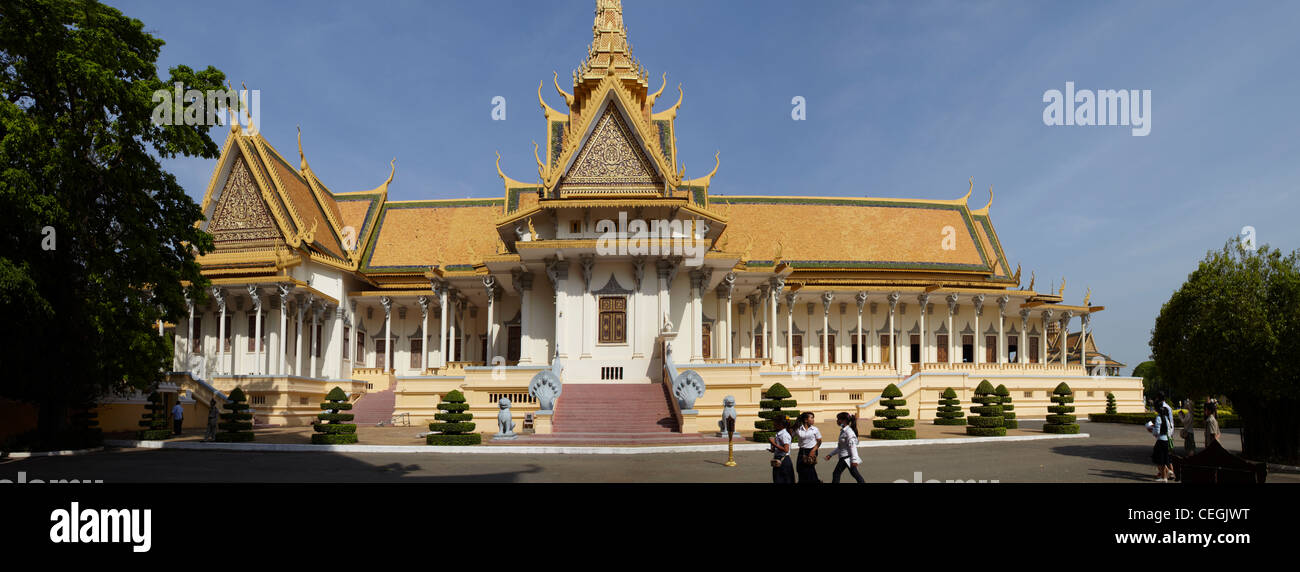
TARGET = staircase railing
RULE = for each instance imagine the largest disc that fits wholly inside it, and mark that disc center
(403, 418)
(669, 372)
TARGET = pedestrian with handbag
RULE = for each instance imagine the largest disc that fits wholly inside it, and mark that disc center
(1161, 427)
(782, 469)
(810, 442)
(847, 448)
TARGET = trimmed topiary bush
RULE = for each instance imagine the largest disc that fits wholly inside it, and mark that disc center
(988, 421)
(154, 420)
(236, 423)
(1008, 416)
(949, 412)
(455, 425)
(1060, 421)
(332, 430)
(892, 427)
(774, 403)
(1111, 409)
(85, 427)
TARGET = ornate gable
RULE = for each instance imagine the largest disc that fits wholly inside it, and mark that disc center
(241, 214)
(611, 162)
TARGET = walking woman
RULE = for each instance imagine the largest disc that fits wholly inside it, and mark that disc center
(782, 469)
(810, 443)
(847, 448)
(1161, 428)
(1212, 423)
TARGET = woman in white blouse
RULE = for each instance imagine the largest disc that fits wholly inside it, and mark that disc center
(847, 448)
(782, 469)
(810, 442)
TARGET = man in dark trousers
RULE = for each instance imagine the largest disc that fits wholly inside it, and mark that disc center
(178, 413)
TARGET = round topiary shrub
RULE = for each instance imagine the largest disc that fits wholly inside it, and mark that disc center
(154, 420)
(85, 426)
(1110, 404)
(988, 421)
(455, 425)
(892, 426)
(332, 430)
(774, 404)
(949, 411)
(1008, 416)
(236, 423)
(1060, 421)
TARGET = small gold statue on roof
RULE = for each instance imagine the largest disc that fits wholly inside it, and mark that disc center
(532, 232)
(1087, 296)
(1031, 280)
(1017, 276)
(1061, 293)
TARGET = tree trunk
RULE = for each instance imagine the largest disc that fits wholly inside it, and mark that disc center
(1270, 429)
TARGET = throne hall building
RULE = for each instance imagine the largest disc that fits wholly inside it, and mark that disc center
(400, 302)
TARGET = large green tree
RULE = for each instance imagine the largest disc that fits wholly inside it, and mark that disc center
(1233, 329)
(80, 172)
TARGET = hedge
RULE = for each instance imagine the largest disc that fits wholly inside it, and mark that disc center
(154, 420)
(334, 431)
(1111, 409)
(1061, 421)
(892, 427)
(949, 412)
(775, 402)
(1225, 421)
(451, 431)
(237, 421)
(1008, 416)
(989, 422)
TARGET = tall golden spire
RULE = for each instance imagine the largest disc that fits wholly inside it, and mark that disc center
(610, 53)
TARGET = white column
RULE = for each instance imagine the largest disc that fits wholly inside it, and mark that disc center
(490, 287)
(388, 333)
(315, 324)
(524, 284)
(1065, 334)
(587, 320)
(352, 322)
(297, 343)
(1022, 354)
(778, 284)
(441, 288)
(1002, 333)
(952, 311)
(283, 365)
(924, 300)
(893, 344)
(725, 290)
(789, 329)
(861, 299)
(558, 272)
(978, 299)
(221, 329)
(1042, 339)
(762, 343)
(826, 357)
(424, 332)
(754, 308)
(1083, 340)
(257, 328)
(189, 336)
(697, 316)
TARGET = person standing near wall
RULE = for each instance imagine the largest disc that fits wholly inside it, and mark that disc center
(178, 413)
(211, 433)
(1212, 423)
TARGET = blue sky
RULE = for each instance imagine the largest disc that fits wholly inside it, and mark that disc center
(905, 99)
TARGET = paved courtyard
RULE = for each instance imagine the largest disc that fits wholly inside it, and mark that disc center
(1113, 453)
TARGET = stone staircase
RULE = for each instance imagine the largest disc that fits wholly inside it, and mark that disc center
(376, 406)
(588, 408)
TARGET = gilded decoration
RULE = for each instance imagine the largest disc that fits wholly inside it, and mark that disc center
(240, 213)
(611, 161)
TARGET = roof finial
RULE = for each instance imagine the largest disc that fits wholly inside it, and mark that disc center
(986, 207)
(302, 159)
(968, 191)
(650, 99)
(555, 78)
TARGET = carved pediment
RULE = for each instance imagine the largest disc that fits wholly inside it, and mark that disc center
(241, 214)
(612, 161)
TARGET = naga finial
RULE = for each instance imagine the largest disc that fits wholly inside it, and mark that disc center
(1087, 296)
(968, 191)
(302, 159)
(990, 203)
(568, 97)
(1017, 276)
(650, 99)
(541, 167)
(1061, 293)
(393, 172)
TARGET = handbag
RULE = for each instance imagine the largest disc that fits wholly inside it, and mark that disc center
(776, 463)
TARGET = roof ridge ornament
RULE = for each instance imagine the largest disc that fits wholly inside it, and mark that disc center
(555, 78)
(302, 159)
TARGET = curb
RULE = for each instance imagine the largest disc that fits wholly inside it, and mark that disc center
(1274, 467)
(64, 453)
(541, 449)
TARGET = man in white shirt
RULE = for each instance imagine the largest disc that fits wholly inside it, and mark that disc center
(178, 413)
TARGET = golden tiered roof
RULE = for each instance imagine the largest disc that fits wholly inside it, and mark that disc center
(610, 149)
